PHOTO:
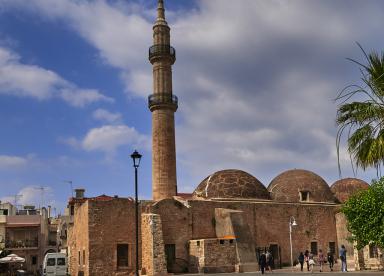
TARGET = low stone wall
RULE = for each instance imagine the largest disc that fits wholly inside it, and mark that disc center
(212, 255)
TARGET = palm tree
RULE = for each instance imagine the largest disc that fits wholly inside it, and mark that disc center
(360, 114)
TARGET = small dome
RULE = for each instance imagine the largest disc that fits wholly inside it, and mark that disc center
(231, 184)
(344, 188)
(300, 186)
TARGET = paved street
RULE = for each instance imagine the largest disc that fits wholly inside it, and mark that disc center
(286, 272)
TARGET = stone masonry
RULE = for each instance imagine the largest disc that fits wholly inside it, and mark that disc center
(163, 106)
(153, 256)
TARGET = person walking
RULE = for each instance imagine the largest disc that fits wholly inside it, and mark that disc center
(262, 262)
(311, 262)
(321, 259)
(301, 260)
(331, 260)
(343, 258)
(269, 261)
(306, 258)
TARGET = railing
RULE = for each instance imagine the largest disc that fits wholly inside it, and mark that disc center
(21, 243)
(163, 99)
(160, 50)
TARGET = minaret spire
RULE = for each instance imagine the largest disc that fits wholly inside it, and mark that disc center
(163, 104)
(160, 11)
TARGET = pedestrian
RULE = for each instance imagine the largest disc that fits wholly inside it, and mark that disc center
(343, 258)
(311, 262)
(306, 258)
(331, 260)
(262, 262)
(269, 261)
(321, 259)
(301, 260)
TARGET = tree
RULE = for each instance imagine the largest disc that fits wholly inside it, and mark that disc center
(363, 118)
(365, 215)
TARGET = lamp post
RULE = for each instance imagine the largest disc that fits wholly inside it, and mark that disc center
(292, 222)
(136, 157)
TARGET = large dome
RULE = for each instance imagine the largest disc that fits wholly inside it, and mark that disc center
(300, 186)
(344, 188)
(231, 184)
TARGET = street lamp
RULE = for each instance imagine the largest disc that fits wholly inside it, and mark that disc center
(292, 222)
(136, 157)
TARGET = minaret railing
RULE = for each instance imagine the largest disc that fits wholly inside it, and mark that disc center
(161, 50)
(162, 99)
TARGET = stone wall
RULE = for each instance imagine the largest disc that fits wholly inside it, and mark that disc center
(99, 226)
(177, 225)
(269, 223)
(212, 255)
(153, 256)
(342, 238)
(78, 240)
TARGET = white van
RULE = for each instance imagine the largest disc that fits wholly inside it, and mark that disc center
(55, 264)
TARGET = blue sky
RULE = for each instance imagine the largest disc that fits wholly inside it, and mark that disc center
(255, 80)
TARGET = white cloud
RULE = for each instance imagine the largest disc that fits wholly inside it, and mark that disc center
(109, 137)
(9, 161)
(36, 195)
(106, 116)
(24, 80)
(255, 92)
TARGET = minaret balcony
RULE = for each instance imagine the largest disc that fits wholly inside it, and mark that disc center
(162, 51)
(162, 100)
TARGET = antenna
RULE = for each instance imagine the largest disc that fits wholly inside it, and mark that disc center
(16, 198)
(70, 183)
(42, 189)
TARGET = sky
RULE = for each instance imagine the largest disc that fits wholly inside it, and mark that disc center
(256, 82)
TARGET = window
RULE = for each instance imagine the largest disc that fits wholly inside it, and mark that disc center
(72, 210)
(122, 255)
(51, 262)
(332, 247)
(221, 241)
(314, 248)
(60, 261)
(83, 257)
(373, 252)
(4, 212)
(79, 258)
(34, 260)
(304, 196)
(198, 243)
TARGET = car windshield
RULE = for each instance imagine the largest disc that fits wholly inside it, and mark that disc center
(51, 262)
(60, 261)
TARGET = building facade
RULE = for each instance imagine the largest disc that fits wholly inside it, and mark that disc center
(28, 233)
(223, 226)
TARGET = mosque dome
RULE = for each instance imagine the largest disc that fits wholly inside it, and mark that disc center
(231, 184)
(344, 188)
(300, 186)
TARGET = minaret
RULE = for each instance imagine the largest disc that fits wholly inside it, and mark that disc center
(163, 105)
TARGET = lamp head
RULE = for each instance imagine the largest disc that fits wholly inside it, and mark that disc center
(294, 222)
(136, 157)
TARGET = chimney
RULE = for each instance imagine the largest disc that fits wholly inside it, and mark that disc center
(79, 193)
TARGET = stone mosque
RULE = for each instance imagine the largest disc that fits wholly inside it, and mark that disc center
(223, 225)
